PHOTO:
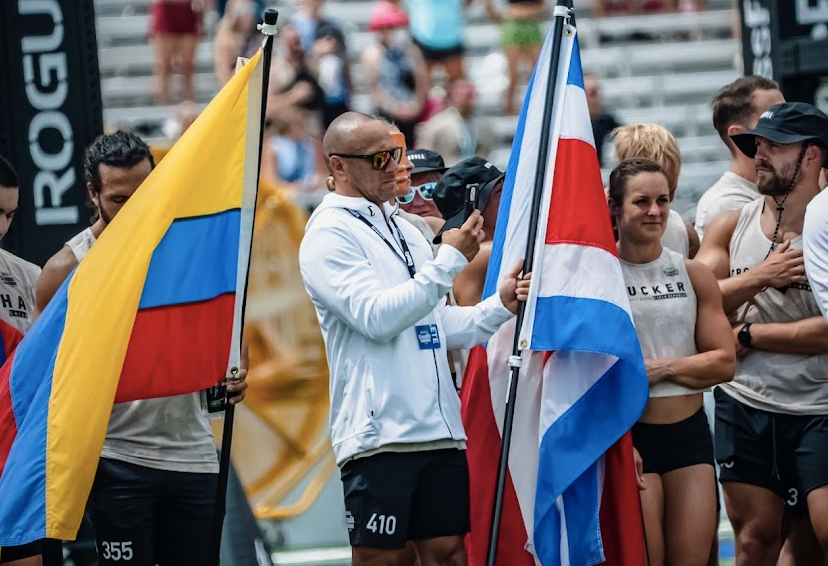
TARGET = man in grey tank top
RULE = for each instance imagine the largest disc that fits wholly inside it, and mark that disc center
(153, 498)
(772, 420)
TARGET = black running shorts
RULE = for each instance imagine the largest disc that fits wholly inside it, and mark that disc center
(782, 453)
(144, 516)
(668, 447)
(12, 553)
(394, 497)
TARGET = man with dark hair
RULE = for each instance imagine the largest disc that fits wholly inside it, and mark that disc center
(736, 109)
(153, 498)
(17, 293)
(772, 419)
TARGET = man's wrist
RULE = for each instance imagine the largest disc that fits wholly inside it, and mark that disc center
(744, 336)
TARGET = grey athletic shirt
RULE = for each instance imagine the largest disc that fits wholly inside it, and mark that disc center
(780, 383)
(663, 305)
(172, 433)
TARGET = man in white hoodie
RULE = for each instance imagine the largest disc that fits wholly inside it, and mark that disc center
(380, 295)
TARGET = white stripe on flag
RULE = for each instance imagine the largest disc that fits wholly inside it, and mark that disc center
(588, 270)
(559, 111)
(574, 123)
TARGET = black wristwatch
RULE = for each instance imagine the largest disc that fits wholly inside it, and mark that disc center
(744, 335)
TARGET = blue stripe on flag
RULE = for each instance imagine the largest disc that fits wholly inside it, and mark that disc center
(196, 260)
(581, 504)
(576, 73)
(585, 325)
(496, 257)
(25, 471)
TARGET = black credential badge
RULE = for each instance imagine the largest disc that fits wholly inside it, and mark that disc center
(216, 398)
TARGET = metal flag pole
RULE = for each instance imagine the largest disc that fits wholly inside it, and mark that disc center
(268, 28)
(562, 12)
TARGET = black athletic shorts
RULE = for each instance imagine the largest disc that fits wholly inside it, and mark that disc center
(394, 497)
(668, 447)
(430, 54)
(12, 553)
(144, 516)
(782, 453)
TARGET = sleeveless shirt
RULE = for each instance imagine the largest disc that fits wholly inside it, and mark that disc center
(663, 305)
(793, 384)
(171, 433)
(675, 235)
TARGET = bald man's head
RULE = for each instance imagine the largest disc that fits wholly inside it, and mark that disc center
(342, 136)
(348, 145)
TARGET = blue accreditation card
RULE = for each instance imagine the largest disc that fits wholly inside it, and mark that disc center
(428, 336)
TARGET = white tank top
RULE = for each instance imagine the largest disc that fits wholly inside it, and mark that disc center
(171, 433)
(781, 383)
(663, 305)
(675, 235)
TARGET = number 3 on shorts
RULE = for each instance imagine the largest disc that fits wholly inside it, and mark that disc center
(117, 551)
(387, 525)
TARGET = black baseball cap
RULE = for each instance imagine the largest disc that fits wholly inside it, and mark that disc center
(450, 192)
(790, 122)
(425, 160)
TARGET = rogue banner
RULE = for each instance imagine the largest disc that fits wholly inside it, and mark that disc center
(50, 109)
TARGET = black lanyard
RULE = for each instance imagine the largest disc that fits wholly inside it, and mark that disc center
(406, 258)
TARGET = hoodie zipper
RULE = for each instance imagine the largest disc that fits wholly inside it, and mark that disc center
(433, 354)
(439, 403)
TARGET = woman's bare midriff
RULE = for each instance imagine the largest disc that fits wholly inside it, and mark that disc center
(668, 410)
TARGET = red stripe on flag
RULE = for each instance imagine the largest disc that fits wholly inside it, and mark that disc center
(622, 526)
(578, 212)
(11, 337)
(177, 349)
(8, 425)
(482, 452)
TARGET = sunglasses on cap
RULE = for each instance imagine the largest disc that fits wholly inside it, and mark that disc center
(426, 191)
(379, 160)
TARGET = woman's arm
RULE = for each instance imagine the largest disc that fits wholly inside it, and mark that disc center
(716, 361)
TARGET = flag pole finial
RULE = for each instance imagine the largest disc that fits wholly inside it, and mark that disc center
(269, 25)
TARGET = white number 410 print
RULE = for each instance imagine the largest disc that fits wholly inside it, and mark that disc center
(385, 525)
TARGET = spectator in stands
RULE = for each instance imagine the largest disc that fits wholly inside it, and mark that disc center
(603, 8)
(290, 156)
(437, 29)
(453, 132)
(736, 109)
(236, 36)
(175, 127)
(174, 29)
(323, 42)
(521, 36)
(221, 7)
(602, 121)
(292, 80)
(395, 70)
(655, 142)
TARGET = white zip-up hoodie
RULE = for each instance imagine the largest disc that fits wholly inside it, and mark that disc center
(384, 388)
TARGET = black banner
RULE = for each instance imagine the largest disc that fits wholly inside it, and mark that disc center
(760, 55)
(50, 110)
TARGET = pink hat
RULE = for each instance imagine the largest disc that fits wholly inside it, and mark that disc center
(387, 15)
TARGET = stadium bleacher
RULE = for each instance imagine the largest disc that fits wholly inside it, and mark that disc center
(660, 68)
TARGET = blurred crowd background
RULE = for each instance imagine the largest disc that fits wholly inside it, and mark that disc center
(450, 73)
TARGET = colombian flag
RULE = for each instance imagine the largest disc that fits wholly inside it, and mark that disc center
(153, 310)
